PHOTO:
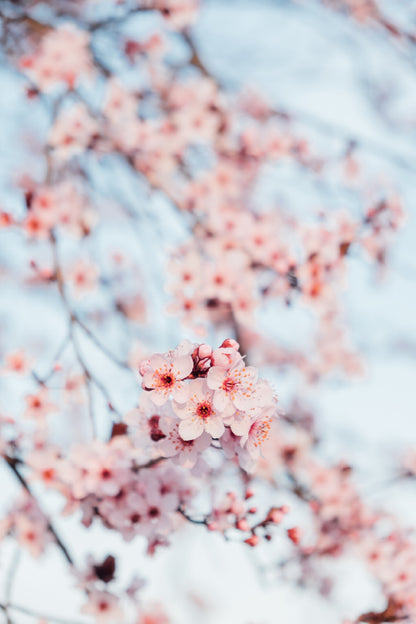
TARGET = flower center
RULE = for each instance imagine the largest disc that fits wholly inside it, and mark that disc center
(204, 410)
(259, 431)
(229, 384)
(187, 442)
(167, 380)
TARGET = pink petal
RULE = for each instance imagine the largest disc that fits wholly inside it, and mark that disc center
(180, 393)
(215, 377)
(244, 403)
(159, 397)
(182, 366)
(158, 361)
(221, 400)
(191, 428)
(241, 427)
(252, 373)
(149, 380)
(182, 411)
(215, 427)
(167, 448)
(202, 443)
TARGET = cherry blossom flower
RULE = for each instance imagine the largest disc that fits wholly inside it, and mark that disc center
(104, 606)
(199, 414)
(234, 387)
(51, 63)
(84, 277)
(73, 131)
(258, 432)
(38, 405)
(184, 452)
(17, 362)
(164, 376)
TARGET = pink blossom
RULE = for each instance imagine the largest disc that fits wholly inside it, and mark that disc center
(199, 414)
(51, 63)
(73, 131)
(104, 607)
(164, 377)
(38, 405)
(234, 387)
(44, 465)
(84, 277)
(17, 362)
(258, 432)
(184, 452)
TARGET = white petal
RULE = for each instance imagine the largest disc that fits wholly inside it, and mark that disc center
(191, 428)
(182, 366)
(215, 377)
(215, 427)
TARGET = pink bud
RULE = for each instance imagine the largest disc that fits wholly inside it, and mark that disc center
(220, 359)
(46, 274)
(242, 525)
(294, 534)
(275, 516)
(249, 493)
(252, 541)
(230, 343)
(57, 367)
(252, 510)
(204, 351)
(212, 526)
(237, 508)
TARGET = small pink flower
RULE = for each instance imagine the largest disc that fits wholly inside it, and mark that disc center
(84, 277)
(30, 534)
(44, 464)
(104, 606)
(184, 452)
(233, 387)
(38, 405)
(164, 376)
(259, 432)
(37, 225)
(16, 362)
(199, 413)
(226, 356)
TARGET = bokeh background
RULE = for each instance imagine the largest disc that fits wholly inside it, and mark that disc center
(341, 81)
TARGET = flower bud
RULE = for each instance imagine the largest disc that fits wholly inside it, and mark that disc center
(230, 343)
(252, 541)
(294, 534)
(242, 525)
(204, 351)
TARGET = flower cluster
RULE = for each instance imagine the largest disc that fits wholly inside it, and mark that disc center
(103, 599)
(200, 394)
(51, 64)
(28, 524)
(108, 481)
(61, 206)
(235, 513)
